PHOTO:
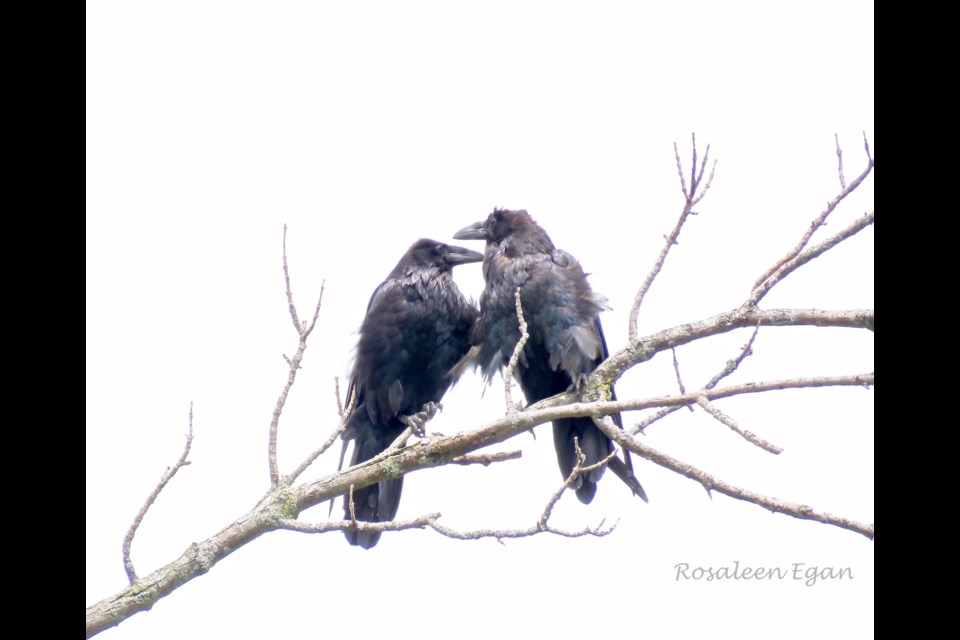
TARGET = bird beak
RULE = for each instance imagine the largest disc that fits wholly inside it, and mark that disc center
(459, 255)
(475, 231)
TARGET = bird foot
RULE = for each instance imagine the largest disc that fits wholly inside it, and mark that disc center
(418, 420)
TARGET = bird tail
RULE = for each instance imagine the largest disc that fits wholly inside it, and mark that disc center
(343, 452)
(624, 471)
(377, 502)
(595, 446)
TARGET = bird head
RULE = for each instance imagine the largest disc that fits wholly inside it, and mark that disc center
(498, 225)
(426, 252)
(514, 232)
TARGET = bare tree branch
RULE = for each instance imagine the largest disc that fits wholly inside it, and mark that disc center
(285, 503)
(167, 477)
(691, 200)
(820, 220)
(303, 331)
(645, 348)
(711, 483)
(565, 405)
(280, 507)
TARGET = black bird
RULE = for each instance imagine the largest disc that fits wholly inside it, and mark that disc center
(416, 329)
(565, 339)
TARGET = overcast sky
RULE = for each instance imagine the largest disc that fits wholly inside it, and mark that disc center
(364, 126)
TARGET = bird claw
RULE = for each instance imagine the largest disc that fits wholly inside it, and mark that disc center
(415, 423)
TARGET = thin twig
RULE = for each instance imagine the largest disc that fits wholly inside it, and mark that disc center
(567, 483)
(336, 392)
(515, 357)
(683, 183)
(843, 180)
(316, 311)
(353, 513)
(693, 165)
(819, 220)
(286, 277)
(167, 476)
(750, 437)
(792, 265)
(732, 365)
(676, 369)
(602, 462)
(706, 187)
(341, 425)
(641, 426)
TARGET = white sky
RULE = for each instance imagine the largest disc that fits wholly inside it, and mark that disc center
(364, 126)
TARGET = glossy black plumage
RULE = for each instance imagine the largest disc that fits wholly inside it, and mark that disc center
(416, 329)
(566, 339)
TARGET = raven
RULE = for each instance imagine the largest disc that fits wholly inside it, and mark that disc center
(416, 329)
(565, 339)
